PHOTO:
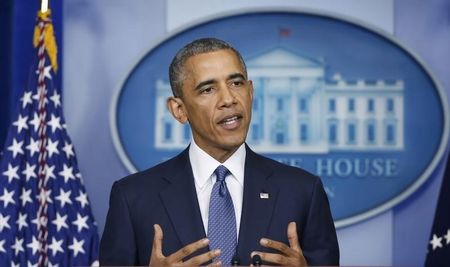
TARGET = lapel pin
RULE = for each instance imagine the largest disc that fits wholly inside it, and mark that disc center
(264, 195)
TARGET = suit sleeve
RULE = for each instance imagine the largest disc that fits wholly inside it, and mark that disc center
(319, 241)
(118, 245)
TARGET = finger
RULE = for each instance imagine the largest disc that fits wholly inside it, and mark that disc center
(293, 237)
(188, 250)
(203, 258)
(285, 249)
(294, 243)
(273, 258)
(157, 240)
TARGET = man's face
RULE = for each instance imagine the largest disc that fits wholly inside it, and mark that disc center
(217, 102)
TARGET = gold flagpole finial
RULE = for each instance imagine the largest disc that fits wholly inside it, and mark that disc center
(45, 30)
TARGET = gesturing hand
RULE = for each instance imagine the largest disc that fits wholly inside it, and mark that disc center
(291, 255)
(176, 259)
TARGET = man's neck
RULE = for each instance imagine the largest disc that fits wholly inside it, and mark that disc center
(219, 154)
(203, 164)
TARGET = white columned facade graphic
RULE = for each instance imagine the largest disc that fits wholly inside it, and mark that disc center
(298, 109)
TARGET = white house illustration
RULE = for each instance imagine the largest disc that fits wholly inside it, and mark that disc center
(296, 109)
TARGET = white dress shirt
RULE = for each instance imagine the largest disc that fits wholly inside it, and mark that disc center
(203, 166)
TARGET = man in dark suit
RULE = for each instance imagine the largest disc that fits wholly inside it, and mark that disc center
(183, 212)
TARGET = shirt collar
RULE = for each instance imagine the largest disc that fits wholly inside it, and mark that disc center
(203, 165)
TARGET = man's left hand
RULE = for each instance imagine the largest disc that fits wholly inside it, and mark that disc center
(291, 255)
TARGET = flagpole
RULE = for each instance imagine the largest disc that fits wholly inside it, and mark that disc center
(44, 6)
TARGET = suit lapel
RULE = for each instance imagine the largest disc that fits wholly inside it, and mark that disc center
(180, 201)
(257, 207)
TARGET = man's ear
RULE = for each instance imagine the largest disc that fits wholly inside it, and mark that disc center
(251, 88)
(176, 108)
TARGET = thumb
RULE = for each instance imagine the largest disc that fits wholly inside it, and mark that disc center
(157, 240)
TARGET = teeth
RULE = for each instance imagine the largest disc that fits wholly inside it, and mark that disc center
(230, 120)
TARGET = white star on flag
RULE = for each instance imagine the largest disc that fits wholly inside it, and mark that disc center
(82, 198)
(7, 197)
(4, 222)
(52, 147)
(68, 149)
(77, 246)
(55, 246)
(67, 173)
(47, 73)
(54, 123)
(34, 245)
(436, 242)
(36, 97)
(26, 99)
(11, 173)
(29, 171)
(22, 221)
(44, 195)
(56, 99)
(2, 246)
(64, 197)
(33, 147)
(80, 222)
(60, 222)
(49, 172)
(35, 122)
(16, 148)
(36, 222)
(18, 246)
(21, 123)
(447, 237)
(25, 196)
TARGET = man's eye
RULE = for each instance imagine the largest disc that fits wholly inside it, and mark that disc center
(237, 83)
(206, 90)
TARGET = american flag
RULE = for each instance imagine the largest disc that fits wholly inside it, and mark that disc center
(439, 243)
(45, 216)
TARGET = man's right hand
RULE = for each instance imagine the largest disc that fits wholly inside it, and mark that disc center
(176, 259)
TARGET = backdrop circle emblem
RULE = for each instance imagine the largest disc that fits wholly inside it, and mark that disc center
(340, 99)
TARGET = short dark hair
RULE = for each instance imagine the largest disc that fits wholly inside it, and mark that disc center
(199, 46)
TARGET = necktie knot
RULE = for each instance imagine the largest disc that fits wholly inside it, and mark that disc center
(221, 172)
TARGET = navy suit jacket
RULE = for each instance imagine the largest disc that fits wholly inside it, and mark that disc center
(166, 195)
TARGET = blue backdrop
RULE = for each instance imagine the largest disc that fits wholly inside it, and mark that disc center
(105, 37)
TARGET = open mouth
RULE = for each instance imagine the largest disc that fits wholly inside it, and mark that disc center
(231, 122)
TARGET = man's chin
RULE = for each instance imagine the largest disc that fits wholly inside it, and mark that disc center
(233, 143)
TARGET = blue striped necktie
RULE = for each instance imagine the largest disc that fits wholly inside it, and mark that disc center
(222, 220)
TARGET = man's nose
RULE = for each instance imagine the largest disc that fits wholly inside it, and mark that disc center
(227, 96)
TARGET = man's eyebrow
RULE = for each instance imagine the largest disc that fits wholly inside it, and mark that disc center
(200, 85)
(236, 75)
(212, 81)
